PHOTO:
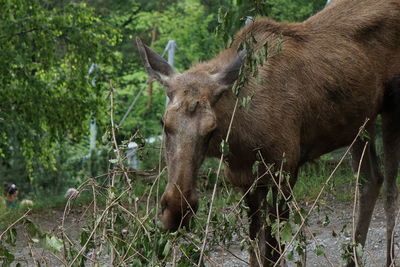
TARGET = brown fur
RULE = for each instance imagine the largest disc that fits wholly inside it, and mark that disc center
(335, 69)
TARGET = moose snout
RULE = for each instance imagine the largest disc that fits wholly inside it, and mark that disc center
(176, 211)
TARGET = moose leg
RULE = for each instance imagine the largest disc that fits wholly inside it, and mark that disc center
(254, 201)
(277, 213)
(391, 147)
(267, 205)
(370, 183)
(266, 250)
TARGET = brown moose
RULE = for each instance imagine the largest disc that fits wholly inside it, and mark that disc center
(334, 70)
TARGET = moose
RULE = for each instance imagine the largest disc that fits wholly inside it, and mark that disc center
(319, 83)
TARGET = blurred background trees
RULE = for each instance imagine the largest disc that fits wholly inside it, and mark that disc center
(58, 60)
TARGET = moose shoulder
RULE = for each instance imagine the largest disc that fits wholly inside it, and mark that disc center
(322, 79)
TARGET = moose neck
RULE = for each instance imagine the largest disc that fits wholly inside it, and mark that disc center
(229, 110)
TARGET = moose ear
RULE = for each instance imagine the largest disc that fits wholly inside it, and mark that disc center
(155, 65)
(227, 77)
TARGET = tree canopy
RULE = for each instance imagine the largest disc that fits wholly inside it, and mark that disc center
(46, 55)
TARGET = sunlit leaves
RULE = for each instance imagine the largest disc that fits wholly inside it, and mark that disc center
(45, 56)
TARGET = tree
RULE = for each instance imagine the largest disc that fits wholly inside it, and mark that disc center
(46, 89)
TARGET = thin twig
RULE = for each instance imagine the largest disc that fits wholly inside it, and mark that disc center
(215, 187)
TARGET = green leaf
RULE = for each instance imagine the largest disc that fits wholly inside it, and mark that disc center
(167, 248)
(245, 101)
(320, 250)
(33, 230)
(224, 148)
(364, 135)
(286, 233)
(270, 197)
(84, 237)
(297, 219)
(359, 251)
(54, 244)
(113, 161)
(279, 45)
(254, 168)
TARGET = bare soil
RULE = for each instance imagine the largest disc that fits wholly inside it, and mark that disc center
(332, 237)
(31, 254)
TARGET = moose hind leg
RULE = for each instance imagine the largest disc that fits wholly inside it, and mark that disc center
(370, 183)
(391, 147)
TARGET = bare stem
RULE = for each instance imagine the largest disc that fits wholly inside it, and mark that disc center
(215, 188)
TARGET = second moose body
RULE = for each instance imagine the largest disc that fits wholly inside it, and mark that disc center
(334, 70)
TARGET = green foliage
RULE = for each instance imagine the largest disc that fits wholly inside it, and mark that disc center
(312, 177)
(292, 10)
(47, 91)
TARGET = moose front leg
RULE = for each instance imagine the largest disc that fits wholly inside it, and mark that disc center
(255, 202)
(266, 249)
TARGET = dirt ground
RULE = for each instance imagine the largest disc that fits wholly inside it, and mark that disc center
(339, 214)
(340, 217)
(49, 221)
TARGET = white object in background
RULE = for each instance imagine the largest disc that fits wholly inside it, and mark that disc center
(71, 193)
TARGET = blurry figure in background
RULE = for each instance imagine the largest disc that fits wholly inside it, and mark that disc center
(11, 192)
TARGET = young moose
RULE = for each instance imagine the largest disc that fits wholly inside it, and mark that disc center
(332, 72)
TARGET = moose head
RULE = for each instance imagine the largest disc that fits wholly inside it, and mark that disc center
(189, 123)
